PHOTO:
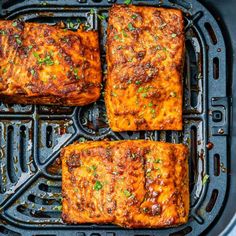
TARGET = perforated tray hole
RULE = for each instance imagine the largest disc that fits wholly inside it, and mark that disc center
(182, 232)
(49, 189)
(193, 157)
(216, 164)
(10, 157)
(182, 3)
(191, 71)
(212, 201)
(43, 201)
(49, 136)
(216, 68)
(211, 32)
(5, 231)
(25, 210)
(22, 149)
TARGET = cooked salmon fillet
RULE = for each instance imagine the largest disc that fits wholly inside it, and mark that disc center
(145, 51)
(134, 183)
(42, 64)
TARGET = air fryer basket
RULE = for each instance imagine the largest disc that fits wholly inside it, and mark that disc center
(32, 136)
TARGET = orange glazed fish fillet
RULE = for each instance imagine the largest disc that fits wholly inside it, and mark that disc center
(42, 64)
(133, 184)
(145, 51)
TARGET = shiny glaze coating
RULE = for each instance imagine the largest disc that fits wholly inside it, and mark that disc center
(42, 64)
(134, 183)
(145, 51)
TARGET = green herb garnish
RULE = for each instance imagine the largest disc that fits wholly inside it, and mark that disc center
(14, 24)
(140, 89)
(127, 2)
(101, 17)
(58, 208)
(116, 37)
(32, 71)
(205, 179)
(124, 33)
(98, 185)
(134, 16)
(127, 193)
(131, 27)
(173, 35)
(93, 167)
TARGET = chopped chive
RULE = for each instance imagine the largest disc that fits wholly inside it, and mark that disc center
(134, 16)
(150, 104)
(144, 95)
(173, 35)
(137, 82)
(14, 24)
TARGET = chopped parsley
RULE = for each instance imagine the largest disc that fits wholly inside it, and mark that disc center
(14, 24)
(127, 193)
(137, 82)
(140, 89)
(124, 33)
(173, 94)
(152, 111)
(58, 208)
(134, 16)
(92, 11)
(131, 27)
(3, 32)
(82, 140)
(93, 167)
(150, 104)
(32, 71)
(19, 42)
(30, 46)
(75, 71)
(127, 2)
(157, 160)
(47, 60)
(98, 185)
(144, 95)
(173, 35)
(116, 37)
(101, 17)
(205, 179)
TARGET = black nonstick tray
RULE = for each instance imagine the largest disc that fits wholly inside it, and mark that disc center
(32, 136)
